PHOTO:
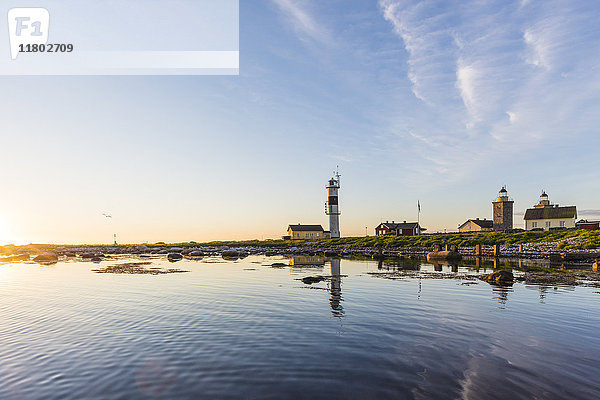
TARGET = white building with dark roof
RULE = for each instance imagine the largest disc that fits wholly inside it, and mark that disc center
(548, 216)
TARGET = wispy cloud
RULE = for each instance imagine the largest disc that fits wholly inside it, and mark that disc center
(499, 78)
(303, 21)
(466, 81)
(537, 49)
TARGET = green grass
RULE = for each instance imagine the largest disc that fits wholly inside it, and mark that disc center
(565, 239)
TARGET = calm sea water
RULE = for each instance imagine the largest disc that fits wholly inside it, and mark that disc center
(244, 330)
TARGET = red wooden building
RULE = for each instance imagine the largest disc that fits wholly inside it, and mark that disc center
(398, 229)
(584, 224)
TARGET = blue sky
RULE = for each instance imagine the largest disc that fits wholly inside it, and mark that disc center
(437, 101)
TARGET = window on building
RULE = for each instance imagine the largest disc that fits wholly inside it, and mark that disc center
(562, 224)
(534, 224)
(547, 224)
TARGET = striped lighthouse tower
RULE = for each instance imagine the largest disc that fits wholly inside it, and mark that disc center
(332, 207)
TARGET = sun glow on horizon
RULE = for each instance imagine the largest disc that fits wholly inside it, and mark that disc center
(6, 236)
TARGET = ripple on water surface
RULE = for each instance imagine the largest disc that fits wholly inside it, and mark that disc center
(246, 330)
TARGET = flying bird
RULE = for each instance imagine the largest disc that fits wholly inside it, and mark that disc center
(107, 216)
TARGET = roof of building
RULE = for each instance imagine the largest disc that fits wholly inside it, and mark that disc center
(300, 227)
(399, 225)
(482, 223)
(553, 212)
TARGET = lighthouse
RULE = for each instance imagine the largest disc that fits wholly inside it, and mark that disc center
(332, 207)
(503, 211)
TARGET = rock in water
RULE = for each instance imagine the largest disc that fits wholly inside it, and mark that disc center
(46, 258)
(279, 265)
(309, 280)
(500, 278)
(444, 255)
(230, 253)
(196, 253)
(174, 256)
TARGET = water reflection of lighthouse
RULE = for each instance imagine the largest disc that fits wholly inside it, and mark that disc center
(336, 289)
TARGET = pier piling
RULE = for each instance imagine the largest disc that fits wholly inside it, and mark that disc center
(496, 250)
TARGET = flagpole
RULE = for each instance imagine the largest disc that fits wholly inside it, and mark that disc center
(419, 215)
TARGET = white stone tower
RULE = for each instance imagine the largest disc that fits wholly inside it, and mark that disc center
(332, 207)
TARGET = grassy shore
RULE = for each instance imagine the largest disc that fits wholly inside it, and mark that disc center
(568, 240)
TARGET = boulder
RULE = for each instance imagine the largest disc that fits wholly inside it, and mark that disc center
(230, 253)
(309, 280)
(279, 265)
(196, 253)
(46, 258)
(499, 278)
(444, 255)
(174, 256)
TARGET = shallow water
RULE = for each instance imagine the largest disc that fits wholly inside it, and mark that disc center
(245, 330)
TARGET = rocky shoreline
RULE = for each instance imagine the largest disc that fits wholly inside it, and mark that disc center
(550, 264)
(49, 253)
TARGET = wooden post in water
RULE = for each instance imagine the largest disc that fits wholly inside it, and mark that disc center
(478, 250)
(520, 249)
(496, 250)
